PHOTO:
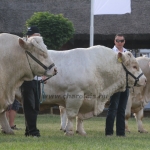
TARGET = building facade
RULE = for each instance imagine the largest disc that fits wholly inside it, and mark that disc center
(135, 26)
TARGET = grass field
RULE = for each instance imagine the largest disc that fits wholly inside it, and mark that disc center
(53, 139)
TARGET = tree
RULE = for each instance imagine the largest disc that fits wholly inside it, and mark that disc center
(55, 29)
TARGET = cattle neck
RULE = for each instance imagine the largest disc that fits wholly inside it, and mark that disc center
(129, 73)
(36, 60)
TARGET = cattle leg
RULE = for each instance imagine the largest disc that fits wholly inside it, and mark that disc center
(128, 113)
(79, 127)
(138, 117)
(63, 118)
(126, 123)
(5, 125)
(73, 103)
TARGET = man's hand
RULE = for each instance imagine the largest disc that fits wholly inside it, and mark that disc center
(43, 78)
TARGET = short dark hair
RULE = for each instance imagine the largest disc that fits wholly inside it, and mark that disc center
(33, 29)
(119, 34)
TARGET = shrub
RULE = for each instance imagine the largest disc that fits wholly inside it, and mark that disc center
(55, 29)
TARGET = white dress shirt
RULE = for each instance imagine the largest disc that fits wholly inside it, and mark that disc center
(115, 49)
(37, 78)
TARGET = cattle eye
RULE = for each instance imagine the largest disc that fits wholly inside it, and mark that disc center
(129, 54)
(135, 67)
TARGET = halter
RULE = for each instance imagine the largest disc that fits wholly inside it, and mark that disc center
(129, 73)
(41, 64)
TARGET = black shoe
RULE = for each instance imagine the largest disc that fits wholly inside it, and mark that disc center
(36, 135)
(121, 135)
(33, 135)
(26, 134)
(14, 127)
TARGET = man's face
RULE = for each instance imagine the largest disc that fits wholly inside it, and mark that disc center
(119, 41)
(35, 34)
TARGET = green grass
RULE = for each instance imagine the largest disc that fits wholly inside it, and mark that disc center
(54, 139)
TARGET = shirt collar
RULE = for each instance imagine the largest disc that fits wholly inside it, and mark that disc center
(116, 49)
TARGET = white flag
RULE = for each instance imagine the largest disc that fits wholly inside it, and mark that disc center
(102, 7)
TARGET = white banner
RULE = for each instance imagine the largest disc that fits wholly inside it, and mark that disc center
(102, 7)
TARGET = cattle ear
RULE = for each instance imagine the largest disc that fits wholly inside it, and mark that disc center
(120, 57)
(36, 41)
(23, 43)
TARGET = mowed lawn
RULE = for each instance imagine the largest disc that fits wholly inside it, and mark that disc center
(54, 139)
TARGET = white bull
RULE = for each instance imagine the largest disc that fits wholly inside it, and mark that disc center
(139, 97)
(87, 78)
(17, 66)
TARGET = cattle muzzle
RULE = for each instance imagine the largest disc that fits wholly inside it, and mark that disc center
(43, 81)
(129, 73)
(41, 64)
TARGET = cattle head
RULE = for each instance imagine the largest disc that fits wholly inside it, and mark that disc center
(134, 75)
(37, 56)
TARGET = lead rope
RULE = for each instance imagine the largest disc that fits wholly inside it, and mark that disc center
(29, 64)
(42, 93)
(38, 92)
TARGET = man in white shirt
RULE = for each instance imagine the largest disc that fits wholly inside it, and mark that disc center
(118, 101)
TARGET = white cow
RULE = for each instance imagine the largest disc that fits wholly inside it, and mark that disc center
(87, 78)
(139, 97)
(17, 65)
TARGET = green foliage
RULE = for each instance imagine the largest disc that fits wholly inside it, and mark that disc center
(55, 29)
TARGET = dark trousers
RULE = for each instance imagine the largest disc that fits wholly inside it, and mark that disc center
(31, 105)
(117, 107)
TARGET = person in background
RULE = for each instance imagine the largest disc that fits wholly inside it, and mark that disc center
(118, 101)
(31, 96)
(11, 114)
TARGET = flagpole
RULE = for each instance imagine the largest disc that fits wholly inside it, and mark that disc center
(92, 24)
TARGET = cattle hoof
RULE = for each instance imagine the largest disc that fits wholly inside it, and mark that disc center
(127, 131)
(64, 131)
(77, 132)
(81, 133)
(4, 132)
(142, 131)
(70, 133)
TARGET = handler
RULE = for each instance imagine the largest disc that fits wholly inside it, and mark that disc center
(118, 101)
